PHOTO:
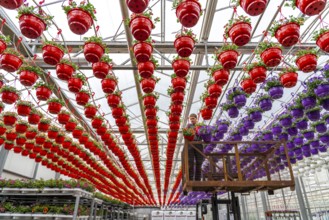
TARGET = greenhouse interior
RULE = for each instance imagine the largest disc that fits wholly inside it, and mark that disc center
(164, 109)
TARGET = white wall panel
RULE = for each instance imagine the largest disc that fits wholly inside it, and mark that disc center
(19, 164)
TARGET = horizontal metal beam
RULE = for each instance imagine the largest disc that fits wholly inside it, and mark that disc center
(168, 47)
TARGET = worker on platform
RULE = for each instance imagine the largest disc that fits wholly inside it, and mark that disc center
(194, 157)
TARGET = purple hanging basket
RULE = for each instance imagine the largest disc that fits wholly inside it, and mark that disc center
(286, 122)
(292, 131)
(290, 145)
(240, 100)
(283, 137)
(298, 151)
(276, 130)
(276, 92)
(309, 135)
(297, 113)
(321, 128)
(256, 116)
(300, 157)
(268, 136)
(302, 125)
(314, 115)
(222, 128)
(322, 90)
(324, 138)
(249, 124)
(265, 104)
(306, 147)
(299, 140)
(314, 151)
(325, 104)
(322, 148)
(243, 131)
(307, 153)
(309, 102)
(233, 112)
(315, 144)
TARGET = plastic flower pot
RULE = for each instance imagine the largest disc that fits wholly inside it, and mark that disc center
(117, 112)
(178, 84)
(288, 34)
(77, 133)
(43, 93)
(70, 126)
(101, 69)
(253, 7)
(210, 102)
(265, 104)
(3, 46)
(297, 113)
(148, 85)
(142, 51)
(30, 135)
(219, 136)
(309, 135)
(82, 98)
(256, 116)
(321, 128)
(313, 115)
(290, 146)
(63, 118)
(108, 85)
(28, 78)
(240, 33)
(298, 151)
(243, 131)
(52, 54)
(93, 52)
(248, 86)
(177, 109)
(52, 134)
(222, 128)
(214, 90)
(228, 59)
(34, 119)
(323, 42)
(276, 92)
(79, 21)
(206, 113)
(315, 143)
(74, 85)
(220, 77)
(181, 67)
(325, 104)
(298, 140)
(43, 127)
(10, 62)
(324, 138)
(322, 90)
(302, 125)
(141, 27)
(90, 111)
(249, 124)
(311, 7)
(271, 56)
(184, 46)
(150, 113)
(188, 13)
(292, 131)
(113, 100)
(307, 63)
(289, 79)
(54, 107)
(309, 102)
(258, 74)
(286, 122)
(314, 151)
(64, 71)
(31, 26)
(233, 112)
(177, 98)
(149, 101)
(11, 4)
(23, 110)
(240, 100)
(9, 120)
(322, 148)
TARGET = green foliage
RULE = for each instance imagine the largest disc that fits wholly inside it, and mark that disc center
(234, 92)
(54, 128)
(30, 11)
(233, 21)
(96, 40)
(283, 116)
(45, 120)
(316, 108)
(37, 70)
(187, 32)
(80, 76)
(106, 59)
(227, 47)
(52, 43)
(288, 70)
(55, 100)
(215, 68)
(12, 114)
(89, 8)
(262, 46)
(154, 94)
(14, 52)
(25, 103)
(148, 14)
(255, 64)
(177, 57)
(301, 53)
(70, 63)
(252, 110)
(318, 33)
(263, 97)
(111, 76)
(188, 131)
(36, 112)
(5, 39)
(277, 24)
(2, 105)
(227, 106)
(6, 88)
(42, 84)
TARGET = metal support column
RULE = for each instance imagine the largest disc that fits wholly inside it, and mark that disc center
(91, 209)
(3, 158)
(214, 206)
(308, 207)
(301, 203)
(57, 175)
(256, 206)
(35, 172)
(264, 202)
(76, 207)
(243, 204)
(235, 207)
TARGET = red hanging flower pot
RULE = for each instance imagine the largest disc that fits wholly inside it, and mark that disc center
(150, 113)
(184, 45)
(11, 136)
(124, 129)
(288, 34)
(176, 109)
(75, 84)
(210, 102)
(76, 133)
(248, 85)
(113, 100)
(54, 107)
(34, 118)
(9, 120)
(152, 131)
(96, 122)
(9, 97)
(146, 69)
(117, 112)
(148, 84)
(70, 126)
(8, 145)
(228, 59)
(2, 130)
(240, 33)
(121, 121)
(3, 46)
(307, 63)
(101, 69)
(101, 130)
(82, 98)
(31, 26)
(63, 117)
(206, 113)
(188, 13)
(137, 6)
(28, 78)
(177, 98)
(149, 101)
(109, 84)
(10, 62)
(258, 74)
(93, 52)
(141, 27)
(174, 127)
(253, 7)
(178, 84)
(271, 56)
(43, 93)
(64, 71)
(90, 111)
(59, 139)
(181, 67)
(79, 21)
(142, 51)
(52, 54)
(214, 90)
(12, 4)
(21, 128)
(30, 135)
(17, 149)
(221, 76)
(323, 42)
(23, 110)
(288, 79)
(151, 123)
(311, 7)
(52, 134)
(40, 140)
(43, 127)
